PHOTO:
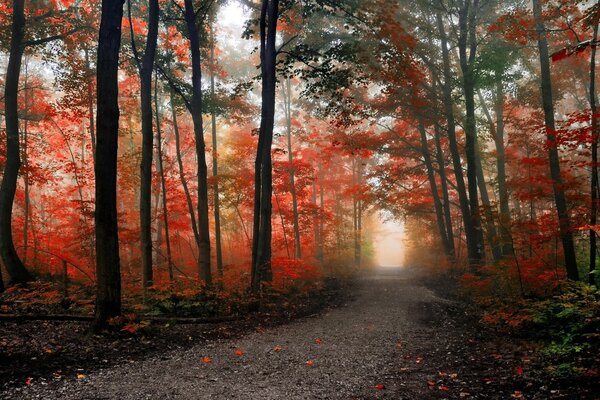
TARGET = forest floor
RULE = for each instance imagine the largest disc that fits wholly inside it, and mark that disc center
(396, 340)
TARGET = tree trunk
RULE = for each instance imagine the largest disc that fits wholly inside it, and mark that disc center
(446, 196)
(90, 98)
(184, 184)
(163, 186)
(466, 39)
(26, 210)
(261, 239)
(557, 182)
(215, 165)
(13, 264)
(470, 231)
(439, 213)
(287, 95)
(145, 69)
(108, 274)
(204, 268)
(492, 233)
(594, 178)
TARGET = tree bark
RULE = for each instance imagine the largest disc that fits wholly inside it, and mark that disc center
(13, 264)
(446, 196)
(557, 183)
(108, 271)
(287, 95)
(466, 38)
(145, 69)
(492, 233)
(186, 190)
(261, 239)
(163, 186)
(594, 177)
(204, 261)
(215, 163)
(470, 232)
(439, 213)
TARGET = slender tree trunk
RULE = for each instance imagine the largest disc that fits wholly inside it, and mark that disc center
(287, 95)
(446, 196)
(186, 190)
(321, 244)
(492, 233)
(469, 228)
(557, 183)
(466, 38)
(108, 271)
(145, 69)
(13, 264)
(261, 240)
(204, 267)
(163, 186)
(90, 99)
(285, 239)
(25, 172)
(594, 178)
(215, 165)
(439, 213)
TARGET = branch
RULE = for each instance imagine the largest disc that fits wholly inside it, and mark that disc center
(136, 55)
(286, 43)
(49, 39)
(175, 87)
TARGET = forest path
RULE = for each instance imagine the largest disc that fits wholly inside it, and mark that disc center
(345, 353)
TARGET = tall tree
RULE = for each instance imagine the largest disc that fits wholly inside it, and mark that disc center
(215, 159)
(108, 268)
(560, 201)
(191, 16)
(13, 264)
(467, 50)
(145, 69)
(263, 179)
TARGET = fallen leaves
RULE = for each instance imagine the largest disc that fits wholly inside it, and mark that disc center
(80, 376)
(318, 341)
(277, 349)
(206, 360)
(310, 363)
(380, 386)
(239, 352)
(28, 381)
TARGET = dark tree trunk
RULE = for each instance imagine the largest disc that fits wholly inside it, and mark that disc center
(470, 231)
(26, 208)
(108, 270)
(557, 183)
(15, 268)
(186, 190)
(466, 39)
(204, 268)
(446, 196)
(287, 93)
(215, 165)
(439, 213)
(261, 239)
(594, 178)
(145, 69)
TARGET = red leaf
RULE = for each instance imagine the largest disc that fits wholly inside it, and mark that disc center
(380, 386)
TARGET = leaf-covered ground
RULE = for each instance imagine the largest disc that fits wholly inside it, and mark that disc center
(397, 340)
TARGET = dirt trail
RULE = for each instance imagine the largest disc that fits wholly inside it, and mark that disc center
(346, 353)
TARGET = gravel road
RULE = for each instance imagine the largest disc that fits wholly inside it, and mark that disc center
(351, 352)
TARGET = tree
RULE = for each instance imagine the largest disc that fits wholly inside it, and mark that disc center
(145, 68)
(108, 269)
(10, 258)
(263, 178)
(560, 201)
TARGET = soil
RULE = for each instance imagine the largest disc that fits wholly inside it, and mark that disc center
(396, 340)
